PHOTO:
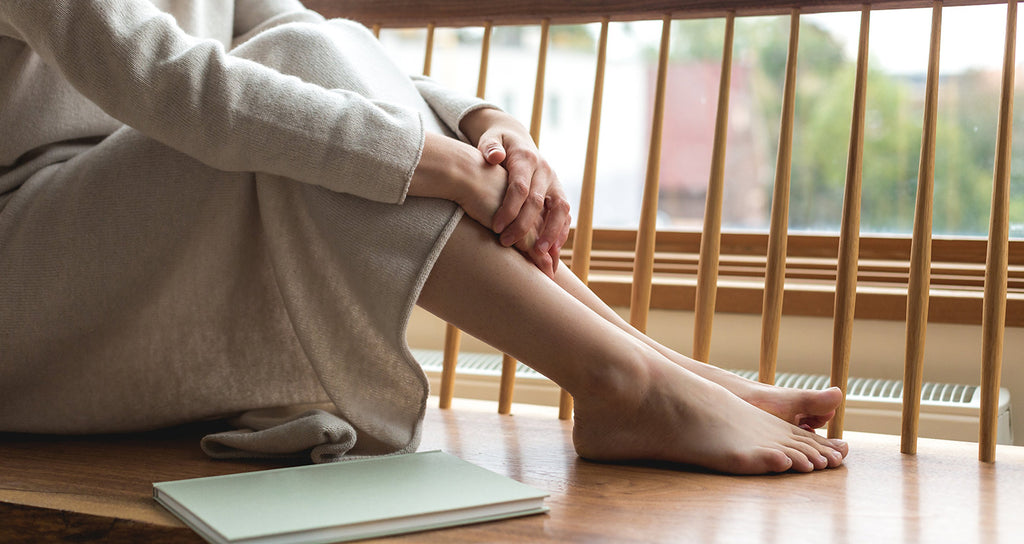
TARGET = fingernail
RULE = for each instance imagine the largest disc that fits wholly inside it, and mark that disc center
(499, 227)
(506, 239)
(543, 246)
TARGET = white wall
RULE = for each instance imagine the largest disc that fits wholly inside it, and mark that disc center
(952, 352)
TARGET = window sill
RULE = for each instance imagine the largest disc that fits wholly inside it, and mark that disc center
(957, 280)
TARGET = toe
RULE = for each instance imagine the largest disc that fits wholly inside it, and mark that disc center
(775, 461)
(800, 461)
(815, 456)
(841, 446)
(824, 448)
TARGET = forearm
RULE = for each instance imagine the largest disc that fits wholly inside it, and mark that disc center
(456, 171)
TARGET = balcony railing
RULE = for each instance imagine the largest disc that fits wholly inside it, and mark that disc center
(977, 281)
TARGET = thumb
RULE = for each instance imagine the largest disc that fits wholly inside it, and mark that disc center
(492, 149)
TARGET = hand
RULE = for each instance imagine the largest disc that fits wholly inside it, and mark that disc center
(534, 194)
(455, 171)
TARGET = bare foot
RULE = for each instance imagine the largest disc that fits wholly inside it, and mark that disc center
(801, 407)
(797, 406)
(675, 415)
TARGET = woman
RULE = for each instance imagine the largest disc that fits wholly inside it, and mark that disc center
(208, 207)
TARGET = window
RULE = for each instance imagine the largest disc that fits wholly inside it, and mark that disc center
(968, 103)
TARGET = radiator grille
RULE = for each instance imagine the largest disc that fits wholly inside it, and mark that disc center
(857, 388)
(872, 388)
(487, 364)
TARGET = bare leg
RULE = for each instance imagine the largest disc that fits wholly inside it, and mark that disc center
(800, 407)
(631, 401)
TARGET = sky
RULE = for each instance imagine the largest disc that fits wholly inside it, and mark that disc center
(972, 37)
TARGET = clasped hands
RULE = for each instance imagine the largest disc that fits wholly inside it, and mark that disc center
(502, 183)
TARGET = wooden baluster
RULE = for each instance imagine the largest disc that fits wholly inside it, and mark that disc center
(711, 236)
(643, 265)
(996, 262)
(485, 55)
(507, 384)
(583, 239)
(508, 363)
(376, 30)
(428, 56)
(452, 339)
(849, 235)
(538, 87)
(920, 251)
(453, 336)
(775, 273)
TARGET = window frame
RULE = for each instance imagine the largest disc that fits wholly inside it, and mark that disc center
(957, 279)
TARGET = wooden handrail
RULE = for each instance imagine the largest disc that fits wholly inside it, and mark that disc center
(415, 13)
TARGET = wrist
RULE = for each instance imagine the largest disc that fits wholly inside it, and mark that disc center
(441, 169)
(475, 123)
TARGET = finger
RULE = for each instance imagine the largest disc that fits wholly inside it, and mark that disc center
(543, 262)
(556, 258)
(556, 248)
(519, 179)
(492, 149)
(556, 220)
(538, 178)
(530, 215)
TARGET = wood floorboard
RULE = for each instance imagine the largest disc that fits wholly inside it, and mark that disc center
(97, 489)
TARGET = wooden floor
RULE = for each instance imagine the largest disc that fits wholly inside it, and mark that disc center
(98, 489)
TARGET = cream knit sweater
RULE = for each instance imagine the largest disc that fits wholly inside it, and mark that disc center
(197, 218)
(80, 68)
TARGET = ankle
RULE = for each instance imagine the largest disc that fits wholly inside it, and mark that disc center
(620, 381)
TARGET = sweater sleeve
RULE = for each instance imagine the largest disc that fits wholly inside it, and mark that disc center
(135, 63)
(449, 105)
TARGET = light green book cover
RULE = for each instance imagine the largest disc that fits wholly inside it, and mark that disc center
(346, 501)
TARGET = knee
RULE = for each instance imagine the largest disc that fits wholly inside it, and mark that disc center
(286, 47)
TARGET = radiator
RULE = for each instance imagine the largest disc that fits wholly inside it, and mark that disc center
(948, 411)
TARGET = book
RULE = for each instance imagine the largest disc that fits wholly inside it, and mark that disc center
(347, 500)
